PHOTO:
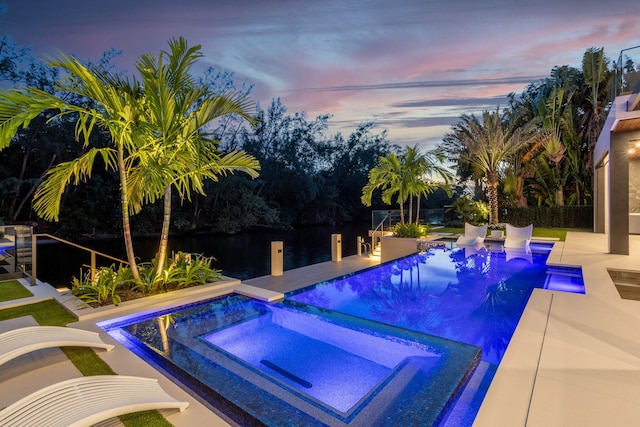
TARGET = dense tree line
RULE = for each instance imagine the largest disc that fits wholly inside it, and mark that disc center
(535, 151)
(306, 176)
(538, 149)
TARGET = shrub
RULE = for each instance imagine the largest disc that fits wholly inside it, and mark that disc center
(551, 217)
(181, 270)
(106, 288)
(473, 211)
(410, 230)
(111, 284)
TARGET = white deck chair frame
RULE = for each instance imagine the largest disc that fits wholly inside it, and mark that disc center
(21, 341)
(518, 237)
(88, 400)
(473, 235)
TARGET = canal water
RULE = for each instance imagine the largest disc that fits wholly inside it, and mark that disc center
(243, 255)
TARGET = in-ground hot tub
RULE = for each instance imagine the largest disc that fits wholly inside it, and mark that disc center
(275, 364)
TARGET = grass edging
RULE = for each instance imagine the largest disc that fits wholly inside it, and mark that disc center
(13, 289)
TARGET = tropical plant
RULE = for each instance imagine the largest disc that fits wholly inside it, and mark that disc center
(110, 104)
(109, 285)
(175, 151)
(491, 143)
(418, 168)
(414, 230)
(405, 177)
(180, 270)
(103, 288)
(597, 79)
(472, 211)
(386, 176)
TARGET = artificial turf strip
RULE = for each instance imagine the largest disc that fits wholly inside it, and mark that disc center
(50, 313)
(47, 313)
(145, 419)
(12, 289)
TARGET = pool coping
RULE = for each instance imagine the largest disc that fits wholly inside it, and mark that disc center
(573, 359)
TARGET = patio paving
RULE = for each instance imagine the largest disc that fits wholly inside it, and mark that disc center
(574, 360)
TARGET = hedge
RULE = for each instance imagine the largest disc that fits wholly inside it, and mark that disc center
(555, 217)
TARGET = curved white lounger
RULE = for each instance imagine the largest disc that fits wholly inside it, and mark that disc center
(473, 235)
(86, 401)
(20, 341)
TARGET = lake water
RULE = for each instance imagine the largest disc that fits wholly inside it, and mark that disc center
(244, 255)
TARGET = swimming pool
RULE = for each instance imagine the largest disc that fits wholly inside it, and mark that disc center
(259, 363)
(467, 294)
(269, 364)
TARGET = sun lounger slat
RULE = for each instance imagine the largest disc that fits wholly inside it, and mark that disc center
(85, 401)
(21, 341)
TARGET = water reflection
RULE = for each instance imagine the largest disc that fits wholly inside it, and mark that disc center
(467, 294)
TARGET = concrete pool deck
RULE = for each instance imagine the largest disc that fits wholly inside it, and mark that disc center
(573, 360)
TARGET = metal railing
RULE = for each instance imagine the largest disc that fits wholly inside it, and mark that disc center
(381, 227)
(94, 255)
(627, 77)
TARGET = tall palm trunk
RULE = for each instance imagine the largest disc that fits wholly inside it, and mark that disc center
(126, 227)
(164, 235)
(520, 199)
(560, 196)
(410, 210)
(492, 184)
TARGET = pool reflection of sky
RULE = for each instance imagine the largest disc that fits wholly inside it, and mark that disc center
(465, 294)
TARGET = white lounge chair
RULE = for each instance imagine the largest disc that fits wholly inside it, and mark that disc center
(88, 400)
(473, 235)
(21, 341)
(518, 237)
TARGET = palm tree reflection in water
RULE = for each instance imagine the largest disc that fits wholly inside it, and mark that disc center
(473, 296)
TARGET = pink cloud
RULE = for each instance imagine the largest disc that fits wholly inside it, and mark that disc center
(288, 46)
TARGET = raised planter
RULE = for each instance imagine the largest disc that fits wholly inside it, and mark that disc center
(397, 247)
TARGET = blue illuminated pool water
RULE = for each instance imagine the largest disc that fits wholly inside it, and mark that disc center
(471, 295)
(390, 345)
(270, 364)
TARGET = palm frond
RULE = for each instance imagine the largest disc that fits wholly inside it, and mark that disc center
(49, 194)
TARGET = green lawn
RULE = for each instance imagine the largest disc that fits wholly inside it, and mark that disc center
(85, 359)
(12, 289)
(560, 233)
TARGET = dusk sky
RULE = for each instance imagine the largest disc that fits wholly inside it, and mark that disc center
(413, 66)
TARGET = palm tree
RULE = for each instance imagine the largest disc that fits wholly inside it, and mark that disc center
(406, 177)
(176, 151)
(110, 104)
(490, 144)
(418, 168)
(387, 176)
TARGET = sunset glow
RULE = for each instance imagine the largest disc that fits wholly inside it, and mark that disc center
(413, 66)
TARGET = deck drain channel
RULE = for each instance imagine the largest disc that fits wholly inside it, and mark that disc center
(535, 375)
(286, 373)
